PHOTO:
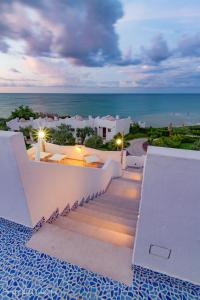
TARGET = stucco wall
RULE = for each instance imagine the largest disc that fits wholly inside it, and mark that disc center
(117, 125)
(123, 125)
(49, 186)
(135, 161)
(168, 231)
(13, 205)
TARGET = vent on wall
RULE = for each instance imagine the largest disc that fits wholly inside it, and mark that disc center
(160, 251)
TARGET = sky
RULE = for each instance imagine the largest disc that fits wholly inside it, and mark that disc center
(99, 46)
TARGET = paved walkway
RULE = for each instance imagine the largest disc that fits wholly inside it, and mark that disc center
(136, 147)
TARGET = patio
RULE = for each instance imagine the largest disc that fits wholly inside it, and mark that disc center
(88, 161)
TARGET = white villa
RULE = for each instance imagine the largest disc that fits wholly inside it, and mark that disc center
(106, 127)
(108, 218)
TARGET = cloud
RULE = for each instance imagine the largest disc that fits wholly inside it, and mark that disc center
(189, 46)
(157, 52)
(21, 82)
(55, 72)
(177, 72)
(14, 70)
(3, 47)
(82, 31)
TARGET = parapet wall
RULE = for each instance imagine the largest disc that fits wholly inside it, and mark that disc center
(13, 202)
(168, 231)
(75, 152)
(30, 190)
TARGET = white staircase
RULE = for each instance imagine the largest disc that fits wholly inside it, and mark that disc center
(98, 236)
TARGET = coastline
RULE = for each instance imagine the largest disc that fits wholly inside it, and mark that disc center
(63, 116)
(157, 110)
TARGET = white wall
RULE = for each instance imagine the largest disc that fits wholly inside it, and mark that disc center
(123, 125)
(49, 186)
(116, 125)
(75, 152)
(135, 161)
(170, 214)
(31, 190)
(13, 205)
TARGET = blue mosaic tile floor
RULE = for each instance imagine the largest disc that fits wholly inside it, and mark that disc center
(28, 274)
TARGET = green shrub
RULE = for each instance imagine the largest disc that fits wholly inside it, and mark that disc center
(3, 125)
(157, 132)
(184, 130)
(82, 133)
(24, 112)
(172, 142)
(135, 128)
(61, 135)
(196, 145)
(188, 139)
(195, 132)
(94, 141)
(132, 136)
(26, 131)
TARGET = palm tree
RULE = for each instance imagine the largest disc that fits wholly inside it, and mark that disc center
(82, 133)
(24, 112)
(27, 132)
(62, 135)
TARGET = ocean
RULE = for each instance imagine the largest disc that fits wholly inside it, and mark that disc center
(154, 109)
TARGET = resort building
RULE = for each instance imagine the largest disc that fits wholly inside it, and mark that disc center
(76, 222)
(106, 127)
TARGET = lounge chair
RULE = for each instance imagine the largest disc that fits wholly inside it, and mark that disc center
(43, 155)
(57, 157)
(91, 159)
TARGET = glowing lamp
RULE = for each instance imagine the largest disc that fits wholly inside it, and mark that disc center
(79, 148)
(41, 134)
(119, 142)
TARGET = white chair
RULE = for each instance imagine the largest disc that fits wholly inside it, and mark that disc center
(57, 157)
(91, 159)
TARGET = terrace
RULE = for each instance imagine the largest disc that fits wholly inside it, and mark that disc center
(77, 231)
(63, 159)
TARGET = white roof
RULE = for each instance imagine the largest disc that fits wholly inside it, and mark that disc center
(79, 118)
(108, 117)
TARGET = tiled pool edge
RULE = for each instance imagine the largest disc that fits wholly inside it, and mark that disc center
(27, 272)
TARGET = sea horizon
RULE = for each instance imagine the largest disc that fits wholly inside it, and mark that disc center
(155, 109)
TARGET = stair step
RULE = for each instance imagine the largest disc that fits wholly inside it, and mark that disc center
(97, 221)
(98, 233)
(117, 201)
(124, 188)
(117, 219)
(113, 212)
(134, 175)
(97, 256)
(125, 183)
(134, 169)
(113, 207)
